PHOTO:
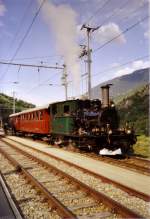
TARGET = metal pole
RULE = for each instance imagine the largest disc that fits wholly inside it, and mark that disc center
(89, 30)
(65, 83)
(89, 63)
(14, 105)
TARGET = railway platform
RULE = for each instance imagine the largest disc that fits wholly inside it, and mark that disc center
(8, 208)
(2, 134)
(123, 176)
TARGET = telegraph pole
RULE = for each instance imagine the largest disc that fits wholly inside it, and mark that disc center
(64, 81)
(14, 104)
(89, 61)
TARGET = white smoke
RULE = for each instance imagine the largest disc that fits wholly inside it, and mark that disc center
(62, 20)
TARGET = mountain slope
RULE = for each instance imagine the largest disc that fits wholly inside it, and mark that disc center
(124, 83)
(6, 105)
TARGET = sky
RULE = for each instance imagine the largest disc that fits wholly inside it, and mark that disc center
(52, 35)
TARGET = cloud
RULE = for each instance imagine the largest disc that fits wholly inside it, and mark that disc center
(115, 64)
(109, 31)
(139, 64)
(147, 34)
(2, 9)
(104, 33)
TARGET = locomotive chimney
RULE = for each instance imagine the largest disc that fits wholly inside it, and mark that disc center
(105, 95)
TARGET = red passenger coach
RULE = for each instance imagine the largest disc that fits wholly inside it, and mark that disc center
(33, 121)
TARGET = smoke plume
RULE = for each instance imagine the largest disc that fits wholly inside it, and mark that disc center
(62, 20)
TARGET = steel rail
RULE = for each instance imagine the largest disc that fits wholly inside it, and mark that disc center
(126, 164)
(146, 161)
(11, 198)
(115, 206)
(60, 208)
(127, 189)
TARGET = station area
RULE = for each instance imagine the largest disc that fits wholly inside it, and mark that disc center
(126, 177)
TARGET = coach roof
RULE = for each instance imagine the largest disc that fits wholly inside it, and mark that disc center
(30, 110)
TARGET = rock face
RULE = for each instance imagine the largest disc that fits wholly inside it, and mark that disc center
(124, 83)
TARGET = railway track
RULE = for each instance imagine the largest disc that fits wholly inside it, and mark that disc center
(30, 203)
(100, 197)
(72, 197)
(8, 204)
(131, 163)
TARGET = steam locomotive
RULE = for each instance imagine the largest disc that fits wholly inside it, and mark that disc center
(86, 124)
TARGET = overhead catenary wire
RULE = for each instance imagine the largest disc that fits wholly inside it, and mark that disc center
(112, 15)
(118, 66)
(95, 12)
(41, 84)
(98, 10)
(123, 32)
(25, 36)
(20, 24)
(134, 11)
(28, 30)
(116, 11)
(30, 65)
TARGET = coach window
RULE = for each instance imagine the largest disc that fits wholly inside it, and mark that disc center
(37, 113)
(41, 115)
(66, 110)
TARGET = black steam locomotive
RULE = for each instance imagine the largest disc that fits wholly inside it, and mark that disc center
(91, 125)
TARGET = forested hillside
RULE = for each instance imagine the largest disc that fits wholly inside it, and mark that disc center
(6, 106)
(135, 109)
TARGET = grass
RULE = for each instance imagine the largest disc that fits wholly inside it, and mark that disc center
(142, 146)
